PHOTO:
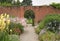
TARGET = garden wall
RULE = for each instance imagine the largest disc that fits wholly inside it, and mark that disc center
(40, 11)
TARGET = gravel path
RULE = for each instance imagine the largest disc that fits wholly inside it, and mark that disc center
(29, 34)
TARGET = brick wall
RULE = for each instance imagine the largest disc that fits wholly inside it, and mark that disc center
(40, 11)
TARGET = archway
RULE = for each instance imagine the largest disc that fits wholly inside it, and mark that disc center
(29, 15)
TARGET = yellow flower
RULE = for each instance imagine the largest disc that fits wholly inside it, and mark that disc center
(0, 28)
(2, 17)
(4, 22)
(7, 16)
(1, 14)
(0, 21)
(8, 21)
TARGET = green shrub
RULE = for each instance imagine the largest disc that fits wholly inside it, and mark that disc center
(14, 38)
(57, 37)
(48, 36)
(47, 19)
(20, 27)
(16, 28)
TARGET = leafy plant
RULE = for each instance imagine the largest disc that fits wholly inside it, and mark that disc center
(4, 23)
(14, 38)
(16, 28)
(55, 5)
(29, 21)
(4, 36)
(47, 19)
(48, 36)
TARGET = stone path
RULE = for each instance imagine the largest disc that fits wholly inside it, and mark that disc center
(29, 34)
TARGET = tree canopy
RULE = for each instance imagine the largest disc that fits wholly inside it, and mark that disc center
(15, 3)
(55, 5)
(26, 2)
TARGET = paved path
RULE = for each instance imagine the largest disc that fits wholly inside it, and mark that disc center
(29, 34)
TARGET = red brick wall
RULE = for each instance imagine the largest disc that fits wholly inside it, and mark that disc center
(40, 11)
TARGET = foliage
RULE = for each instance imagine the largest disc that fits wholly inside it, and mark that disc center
(4, 21)
(15, 28)
(5, 4)
(29, 21)
(48, 36)
(29, 14)
(6, 27)
(16, 3)
(47, 19)
(14, 38)
(57, 37)
(26, 3)
(4, 36)
(18, 25)
(9, 3)
(55, 5)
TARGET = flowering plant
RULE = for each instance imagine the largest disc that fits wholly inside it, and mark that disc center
(4, 21)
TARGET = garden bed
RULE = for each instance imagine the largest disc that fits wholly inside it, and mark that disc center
(49, 28)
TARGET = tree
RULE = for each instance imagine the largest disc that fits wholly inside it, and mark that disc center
(29, 14)
(18, 3)
(7, 1)
(26, 2)
(55, 5)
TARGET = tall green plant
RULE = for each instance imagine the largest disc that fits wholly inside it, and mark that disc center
(4, 36)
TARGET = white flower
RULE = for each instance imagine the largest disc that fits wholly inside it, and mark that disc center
(10, 30)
